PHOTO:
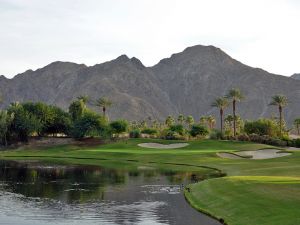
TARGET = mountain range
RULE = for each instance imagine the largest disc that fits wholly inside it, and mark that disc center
(187, 82)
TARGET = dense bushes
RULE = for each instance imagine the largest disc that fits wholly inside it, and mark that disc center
(23, 123)
(135, 133)
(90, 124)
(149, 131)
(261, 127)
(216, 135)
(297, 143)
(198, 130)
(119, 126)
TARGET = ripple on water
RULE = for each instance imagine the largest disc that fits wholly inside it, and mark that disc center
(53, 211)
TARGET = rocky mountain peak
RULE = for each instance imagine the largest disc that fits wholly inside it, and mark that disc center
(296, 76)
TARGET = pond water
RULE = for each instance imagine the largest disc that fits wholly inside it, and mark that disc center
(36, 193)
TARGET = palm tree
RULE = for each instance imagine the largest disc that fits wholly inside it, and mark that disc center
(170, 121)
(84, 98)
(297, 125)
(103, 103)
(15, 104)
(190, 121)
(221, 103)
(211, 120)
(180, 118)
(234, 95)
(281, 101)
(208, 121)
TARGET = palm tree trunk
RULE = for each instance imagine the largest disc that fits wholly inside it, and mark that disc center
(280, 120)
(234, 118)
(104, 110)
(221, 120)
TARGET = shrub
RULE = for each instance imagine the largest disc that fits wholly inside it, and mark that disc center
(243, 137)
(255, 138)
(198, 130)
(119, 126)
(216, 135)
(276, 142)
(261, 127)
(171, 135)
(135, 133)
(150, 131)
(23, 123)
(297, 143)
(178, 128)
(90, 124)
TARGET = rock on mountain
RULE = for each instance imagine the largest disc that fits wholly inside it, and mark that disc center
(296, 76)
(187, 83)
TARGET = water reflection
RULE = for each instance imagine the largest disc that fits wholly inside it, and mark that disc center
(40, 193)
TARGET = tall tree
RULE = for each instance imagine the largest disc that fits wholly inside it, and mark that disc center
(77, 109)
(170, 121)
(180, 119)
(103, 103)
(280, 101)
(235, 96)
(208, 121)
(189, 121)
(221, 103)
(5, 122)
(84, 98)
(297, 125)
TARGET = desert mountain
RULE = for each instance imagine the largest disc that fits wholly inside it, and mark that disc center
(187, 83)
(296, 76)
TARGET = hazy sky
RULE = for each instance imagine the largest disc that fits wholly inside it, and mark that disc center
(260, 33)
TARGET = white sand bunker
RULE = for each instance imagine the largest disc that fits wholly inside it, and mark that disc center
(292, 149)
(259, 154)
(162, 146)
(228, 155)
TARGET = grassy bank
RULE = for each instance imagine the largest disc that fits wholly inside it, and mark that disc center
(248, 200)
(254, 191)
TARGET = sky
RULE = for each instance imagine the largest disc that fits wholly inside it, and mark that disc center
(259, 33)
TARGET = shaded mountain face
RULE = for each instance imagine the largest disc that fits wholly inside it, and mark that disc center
(186, 83)
(296, 76)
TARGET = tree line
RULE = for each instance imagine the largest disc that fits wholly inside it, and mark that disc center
(22, 120)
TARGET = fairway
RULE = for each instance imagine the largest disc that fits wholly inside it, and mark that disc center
(249, 186)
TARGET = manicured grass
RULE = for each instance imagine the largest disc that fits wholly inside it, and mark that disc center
(254, 191)
(248, 200)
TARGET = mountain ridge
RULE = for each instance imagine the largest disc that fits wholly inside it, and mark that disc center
(186, 82)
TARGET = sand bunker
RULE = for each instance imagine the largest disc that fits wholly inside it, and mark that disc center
(259, 154)
(293, 149)
(228, 155)
(162, 146)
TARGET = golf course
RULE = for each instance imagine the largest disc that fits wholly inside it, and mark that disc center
(244, 191)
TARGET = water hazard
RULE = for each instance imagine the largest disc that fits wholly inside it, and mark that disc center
(35, 193)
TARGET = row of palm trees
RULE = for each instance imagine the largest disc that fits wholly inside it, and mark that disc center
(234, 95)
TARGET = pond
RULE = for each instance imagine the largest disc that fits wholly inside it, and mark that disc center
(39, 193)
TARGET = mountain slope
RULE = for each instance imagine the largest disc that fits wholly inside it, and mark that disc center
(202, 73)
(296, 76)
(187, 82)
